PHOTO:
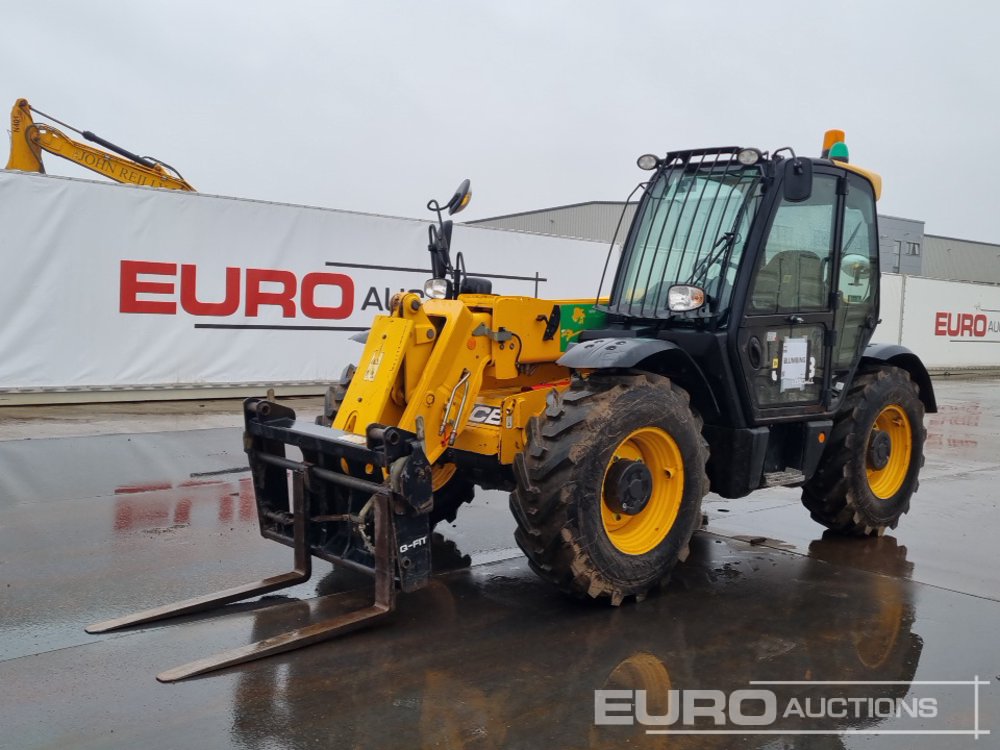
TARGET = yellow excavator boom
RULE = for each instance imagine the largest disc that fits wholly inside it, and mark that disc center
(29, 139)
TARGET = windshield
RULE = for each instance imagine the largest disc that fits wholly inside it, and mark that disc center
(690, 228)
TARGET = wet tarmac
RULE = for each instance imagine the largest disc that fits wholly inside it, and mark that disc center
(96, 526)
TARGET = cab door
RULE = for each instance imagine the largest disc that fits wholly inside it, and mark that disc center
(856, 282)
(786, 333)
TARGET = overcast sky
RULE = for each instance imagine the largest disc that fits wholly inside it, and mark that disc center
(378, 106)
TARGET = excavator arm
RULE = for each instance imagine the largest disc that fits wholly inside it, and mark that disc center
(29, 139)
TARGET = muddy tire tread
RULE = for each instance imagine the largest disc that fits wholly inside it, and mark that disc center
(545, 475)
(832, 495)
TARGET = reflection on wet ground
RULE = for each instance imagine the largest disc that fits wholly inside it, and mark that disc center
(487, 656)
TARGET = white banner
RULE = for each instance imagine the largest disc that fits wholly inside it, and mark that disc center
(951, 323)
(890, 309)
(106, 285)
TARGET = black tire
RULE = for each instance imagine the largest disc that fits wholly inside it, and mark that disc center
(559, 495)
(335, 396)
(451, 497)
(840, 494)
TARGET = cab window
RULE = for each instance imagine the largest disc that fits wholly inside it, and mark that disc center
(793, 271)
(857, 280)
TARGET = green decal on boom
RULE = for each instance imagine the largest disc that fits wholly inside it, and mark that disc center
(576, 318)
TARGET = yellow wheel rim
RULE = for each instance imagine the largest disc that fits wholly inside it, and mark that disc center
(888, 480)
(642, 532)
(441, 475)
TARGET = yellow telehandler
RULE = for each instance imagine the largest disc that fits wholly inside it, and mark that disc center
(733, 353)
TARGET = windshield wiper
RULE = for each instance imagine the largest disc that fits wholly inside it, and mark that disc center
(722, 245)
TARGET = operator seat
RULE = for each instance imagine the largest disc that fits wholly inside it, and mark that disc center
(791, 280)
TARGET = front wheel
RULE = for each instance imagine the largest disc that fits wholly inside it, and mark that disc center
(451, 492)
(870, 468)
(609, 486)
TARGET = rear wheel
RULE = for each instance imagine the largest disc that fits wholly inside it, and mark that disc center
(609, 486)
(869, 470)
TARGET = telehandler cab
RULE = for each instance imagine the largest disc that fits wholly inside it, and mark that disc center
(732, 354)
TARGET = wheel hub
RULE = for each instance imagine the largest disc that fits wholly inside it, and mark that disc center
(879, 449)
(628, 487)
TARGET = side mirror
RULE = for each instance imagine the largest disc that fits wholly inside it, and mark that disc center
(460, 199)
(798, 181)
(856, 267)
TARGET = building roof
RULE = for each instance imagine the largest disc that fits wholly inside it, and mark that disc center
(960, 260)
(940, 257)
(536, 211)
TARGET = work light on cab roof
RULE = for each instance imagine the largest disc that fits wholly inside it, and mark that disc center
(648, 162)
(749, 156)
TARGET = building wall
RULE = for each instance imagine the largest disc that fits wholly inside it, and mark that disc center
(961, 260)
(901, 245)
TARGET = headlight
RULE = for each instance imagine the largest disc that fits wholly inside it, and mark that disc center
(436, 288)
(648, 162)
(681, 298)
(749, 156)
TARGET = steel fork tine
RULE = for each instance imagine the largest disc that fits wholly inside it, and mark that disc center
(301, 573)
(384, 604)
